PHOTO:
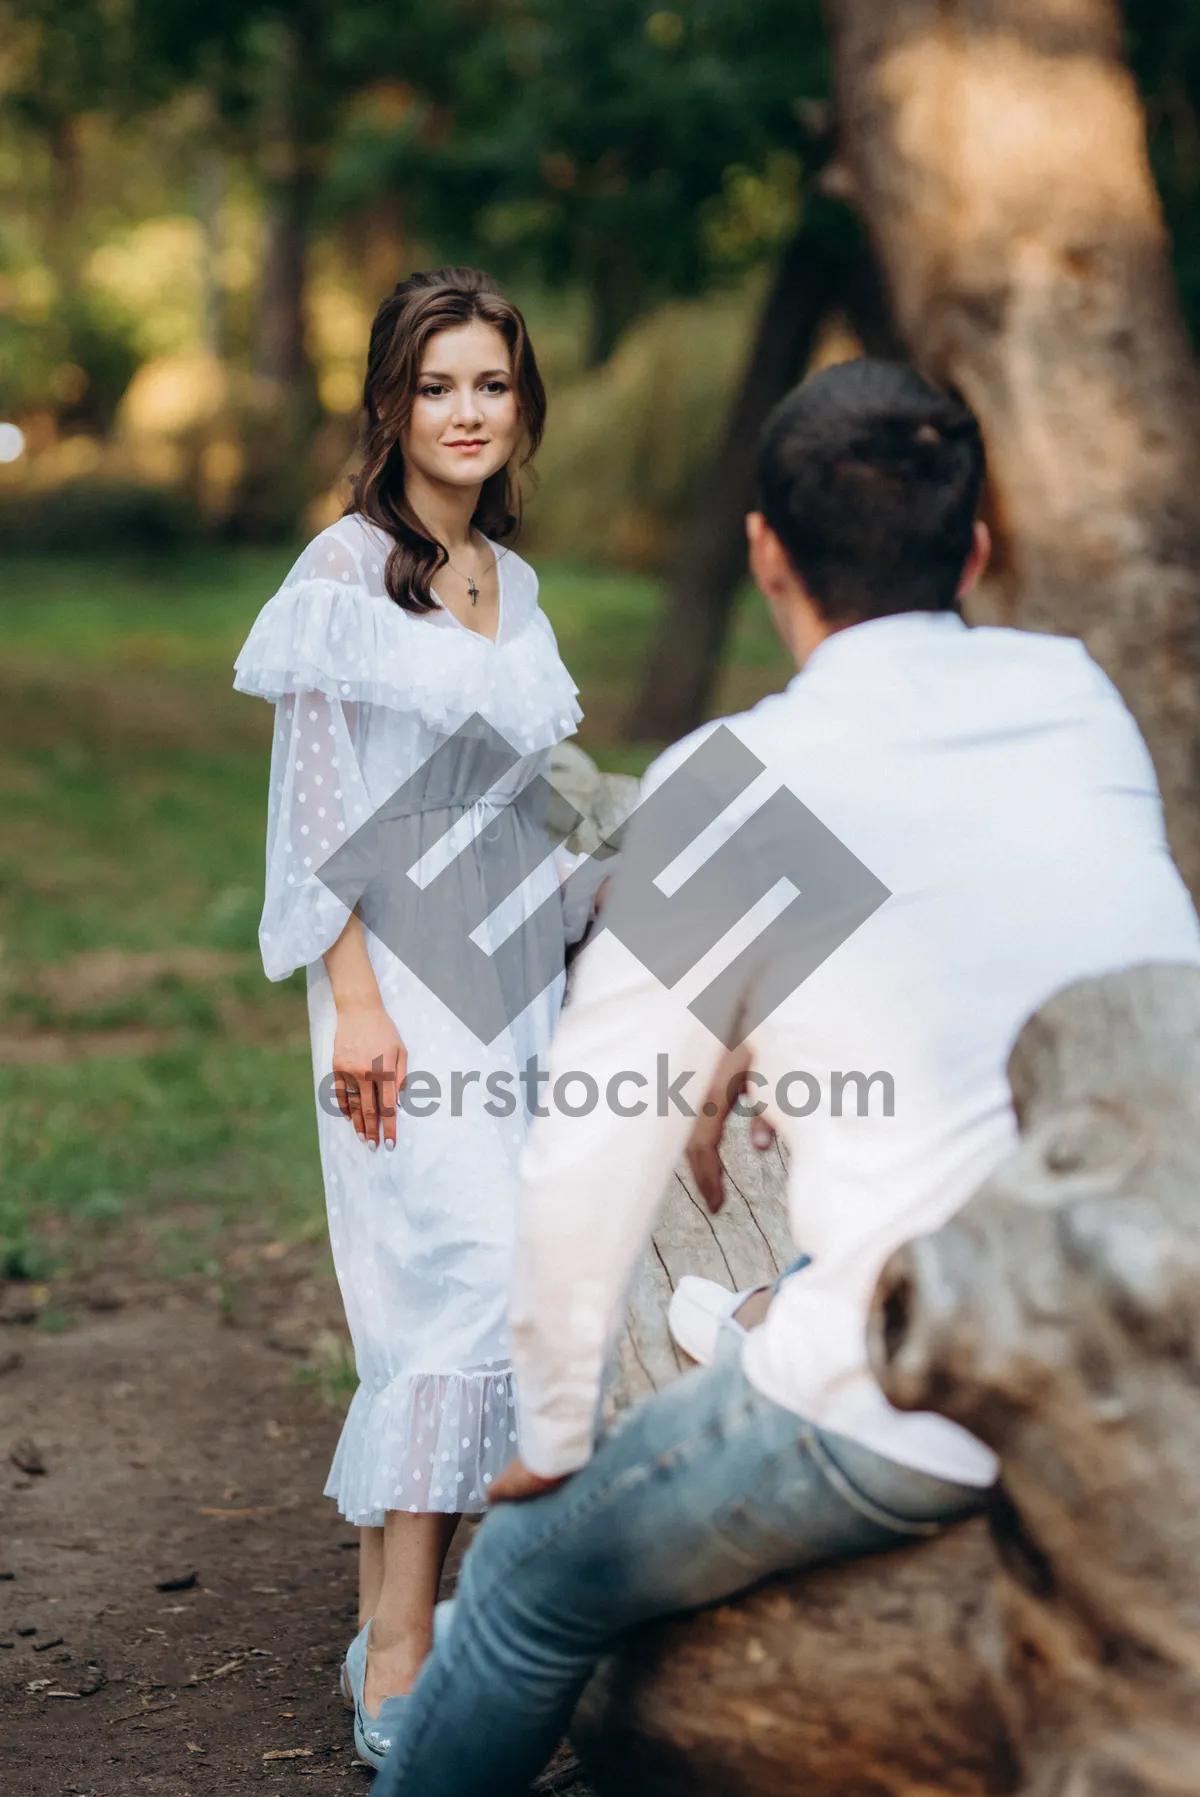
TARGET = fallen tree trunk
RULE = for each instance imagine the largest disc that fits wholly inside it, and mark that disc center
(1058, 1317)
(767, 1695)
(861, 1678)
(996, 151)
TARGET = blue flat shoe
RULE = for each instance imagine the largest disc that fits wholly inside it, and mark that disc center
(354, 1667)
(371, 1738)
(373, 1735)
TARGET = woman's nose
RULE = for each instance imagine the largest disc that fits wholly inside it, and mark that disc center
(466, 408)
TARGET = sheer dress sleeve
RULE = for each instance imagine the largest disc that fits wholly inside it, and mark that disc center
(341, 661)
(318, 798)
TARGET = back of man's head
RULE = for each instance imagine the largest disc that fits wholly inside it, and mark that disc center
(870, 478)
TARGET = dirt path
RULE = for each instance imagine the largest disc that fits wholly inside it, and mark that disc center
(174, 1444)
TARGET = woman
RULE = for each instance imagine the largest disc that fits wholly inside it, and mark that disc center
(399, 629)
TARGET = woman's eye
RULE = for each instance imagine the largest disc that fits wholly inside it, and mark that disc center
(497, 387)
(433, 391)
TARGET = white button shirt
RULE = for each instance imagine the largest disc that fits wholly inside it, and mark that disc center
(997, 786)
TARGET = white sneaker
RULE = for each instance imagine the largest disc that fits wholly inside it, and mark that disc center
(700, 1316)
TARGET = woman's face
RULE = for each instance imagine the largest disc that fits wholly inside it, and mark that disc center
(465, 423)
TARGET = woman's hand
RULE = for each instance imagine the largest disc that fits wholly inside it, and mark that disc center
(369, 1066)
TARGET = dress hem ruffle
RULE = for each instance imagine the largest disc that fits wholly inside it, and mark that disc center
(424, 1442)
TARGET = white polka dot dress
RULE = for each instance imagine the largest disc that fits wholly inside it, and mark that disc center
(421, 1236)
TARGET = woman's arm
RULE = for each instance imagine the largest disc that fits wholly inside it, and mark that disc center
(369, 1059)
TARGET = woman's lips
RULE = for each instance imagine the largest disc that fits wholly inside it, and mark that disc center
(468, 445)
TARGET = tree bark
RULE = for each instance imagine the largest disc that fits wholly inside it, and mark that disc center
(288, 189)
(276, 485)
(996, 149)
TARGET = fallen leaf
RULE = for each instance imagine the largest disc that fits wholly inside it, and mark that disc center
(289, 1753)
(192, 1747)
(27, 1457)
(201, 1678)
(178, 1581)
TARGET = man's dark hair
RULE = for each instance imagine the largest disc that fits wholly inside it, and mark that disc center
(870, 478)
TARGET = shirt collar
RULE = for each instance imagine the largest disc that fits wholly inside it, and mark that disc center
(891, 635)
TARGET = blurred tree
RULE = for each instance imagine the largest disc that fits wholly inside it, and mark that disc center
(640, 154)
(274, 93)
(825, 269)
(1164, 50)
(629, 151)
(998, 152)
(284, 75)
(64, 60)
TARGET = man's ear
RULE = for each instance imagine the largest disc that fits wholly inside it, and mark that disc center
(977, 560)
(768, 561)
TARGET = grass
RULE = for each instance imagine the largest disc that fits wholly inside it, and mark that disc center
(150, 1078)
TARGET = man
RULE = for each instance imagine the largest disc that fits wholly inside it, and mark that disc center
(1007, 833)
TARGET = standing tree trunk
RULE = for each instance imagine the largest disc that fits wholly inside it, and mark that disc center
(813, 275)
(997, 152)
(293, 113)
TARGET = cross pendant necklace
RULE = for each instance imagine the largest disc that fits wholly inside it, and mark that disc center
(472, 589)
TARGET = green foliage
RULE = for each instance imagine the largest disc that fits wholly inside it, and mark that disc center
(1164, 48)
(65, 58)
(132, 812)
(629, 150)
(95, 511)
(630, 440)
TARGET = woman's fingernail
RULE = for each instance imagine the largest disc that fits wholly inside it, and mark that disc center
(372, 1146)
(389, 1144)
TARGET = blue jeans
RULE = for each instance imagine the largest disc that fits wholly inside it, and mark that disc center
(701, 1491)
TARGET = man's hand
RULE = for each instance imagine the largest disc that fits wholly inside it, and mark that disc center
(516, 1483)
(705, 1162)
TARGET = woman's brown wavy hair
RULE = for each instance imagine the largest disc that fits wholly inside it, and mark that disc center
(439, 299)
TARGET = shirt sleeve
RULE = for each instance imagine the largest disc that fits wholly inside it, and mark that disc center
(318, 799)
(580, 877)
(591, 1187)
(632, 1057)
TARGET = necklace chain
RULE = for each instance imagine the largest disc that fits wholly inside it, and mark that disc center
(472, 589)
